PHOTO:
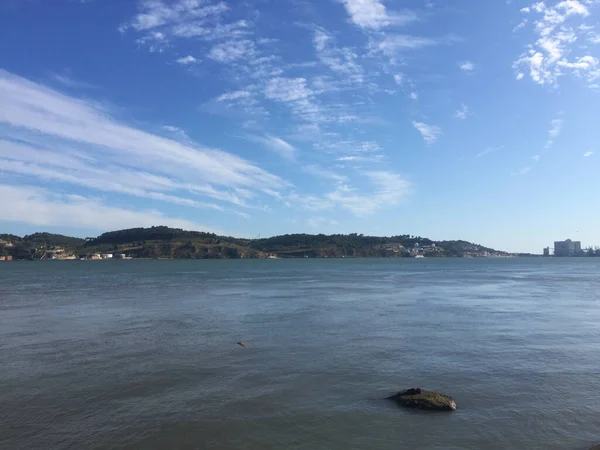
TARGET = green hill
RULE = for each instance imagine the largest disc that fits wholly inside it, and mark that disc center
(172, 243)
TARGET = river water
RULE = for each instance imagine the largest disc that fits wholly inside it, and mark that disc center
(143, 354)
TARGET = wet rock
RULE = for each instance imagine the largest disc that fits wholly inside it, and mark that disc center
(241, 344)
(422, 399)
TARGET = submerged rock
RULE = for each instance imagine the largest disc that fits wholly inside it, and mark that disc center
(422, 399)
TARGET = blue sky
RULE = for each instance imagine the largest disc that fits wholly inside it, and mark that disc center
(447, 119)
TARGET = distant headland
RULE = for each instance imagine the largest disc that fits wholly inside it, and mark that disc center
(162, 242)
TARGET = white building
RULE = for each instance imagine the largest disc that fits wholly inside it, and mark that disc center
(567, 248)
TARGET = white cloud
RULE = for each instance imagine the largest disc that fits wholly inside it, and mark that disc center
(588, 154)
(487, 151)
(157, 13)
(414, 96)
(466, 66)
(430, 133)
(235, 95)
(160, 23)
(187, 60)
(287, 89)
(536, 158)
(342, 61)
(52, 122)
(278, 145)
(391, 45)
(555, 128)
(35, 206)
(462, 113)
(391, 188)
(325, 173)
(399, 78)
(233, 50)
(70, 82)
(372, 14)
(548, 58)
(295, 93)
(319, 222)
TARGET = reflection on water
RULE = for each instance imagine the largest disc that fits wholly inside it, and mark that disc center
(143, 354)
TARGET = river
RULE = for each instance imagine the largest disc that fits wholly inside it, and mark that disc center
(143, 355)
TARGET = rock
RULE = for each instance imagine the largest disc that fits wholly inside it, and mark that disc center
(242, 344)
(422, 399)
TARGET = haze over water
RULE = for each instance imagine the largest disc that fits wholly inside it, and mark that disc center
(143, 354)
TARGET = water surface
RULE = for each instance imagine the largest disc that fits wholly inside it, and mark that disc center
(142, 355)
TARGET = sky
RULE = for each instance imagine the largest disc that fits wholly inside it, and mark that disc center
(447, 119)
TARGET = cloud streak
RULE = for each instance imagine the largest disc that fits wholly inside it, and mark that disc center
(430, 133)
(277, 145)
(39, 118)
(40, 207)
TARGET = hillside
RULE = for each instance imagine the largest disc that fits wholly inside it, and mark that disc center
(164, 242)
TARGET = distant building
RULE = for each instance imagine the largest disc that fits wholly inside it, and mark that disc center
(547, 251)
(567, 248)
(107, 255)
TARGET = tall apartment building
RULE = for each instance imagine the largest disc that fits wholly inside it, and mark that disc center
(567, 248)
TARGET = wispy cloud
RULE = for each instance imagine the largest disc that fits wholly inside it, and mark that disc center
(536, 158)
(233, 50)
(325, 174)
(278, 145)
(40, 207)
(235, 95)
(187, 60)
(462, 113)
(487, 151)
(45, 122)
(555, 128)
(414, 96)
(588, 154)
(392, 44)
(341, 60)
(430, 133)
(466, 66)
(320, 222)
(389, 189)
(295, 93)
(523, 171)
(70, 82)
(548, 58)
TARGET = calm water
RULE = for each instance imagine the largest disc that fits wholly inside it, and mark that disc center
(142, 354)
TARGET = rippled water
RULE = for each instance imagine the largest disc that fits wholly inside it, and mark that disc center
(142, 354)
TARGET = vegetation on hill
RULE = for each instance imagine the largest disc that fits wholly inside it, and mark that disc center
(165, 242)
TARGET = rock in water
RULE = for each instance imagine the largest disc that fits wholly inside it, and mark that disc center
(242, 344)
(422, 399)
